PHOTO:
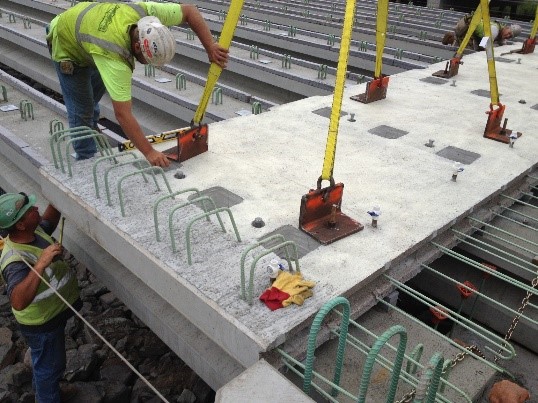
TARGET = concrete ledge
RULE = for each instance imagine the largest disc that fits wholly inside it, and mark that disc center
(261, 383)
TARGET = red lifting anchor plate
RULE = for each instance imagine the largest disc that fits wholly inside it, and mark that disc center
(190, 143)
(439, 313)
(321, 217)
(466, 292)
(493, 130)
(375, 91)
(528, 46)
(451, 70)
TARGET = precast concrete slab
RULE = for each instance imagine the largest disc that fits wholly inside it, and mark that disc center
(270, 160)
(368, 329)
(260, 383)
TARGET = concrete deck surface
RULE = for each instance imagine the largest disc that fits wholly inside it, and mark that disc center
(272, 159)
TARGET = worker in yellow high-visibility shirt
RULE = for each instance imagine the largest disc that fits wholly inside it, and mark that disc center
(94, 46)
(500, 33)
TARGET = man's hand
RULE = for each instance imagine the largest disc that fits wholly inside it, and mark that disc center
(157, 158)
(218, 55)
(47, 256)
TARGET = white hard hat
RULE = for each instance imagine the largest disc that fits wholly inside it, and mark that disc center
(156, 41)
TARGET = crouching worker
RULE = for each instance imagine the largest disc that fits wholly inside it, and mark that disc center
(499, 32)
(41, 314)
(94, 47)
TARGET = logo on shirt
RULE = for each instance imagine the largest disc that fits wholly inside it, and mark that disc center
(107, 19)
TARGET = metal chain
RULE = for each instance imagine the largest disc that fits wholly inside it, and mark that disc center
(455, 361)
(515, 321)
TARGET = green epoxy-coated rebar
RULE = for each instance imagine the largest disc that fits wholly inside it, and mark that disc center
(519, 201)
(55, 126)
(140, 162)
(55, 139)
(160, 199)
(152, 170)
(514, 221)
(202, 199)
(108, 158)
(464, 322)
(181, 82)
(499, 238)
(311, 347)
(447, 368)
(530, 195)
(430, 380)
(485, 269)
(503, 231)
(450, 341)
(97, 137)
(477, 242)
(370, 360)
(404, 375)
(256, 108)
(528, 217)
(416, 354)
(478, 294)
(276, 237)
(198, 217)
(271, 250)
(288, 358)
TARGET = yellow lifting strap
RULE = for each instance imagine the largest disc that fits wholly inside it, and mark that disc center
(534, 28)
(477, 17)
(225, 40)
(330, 150)
(381, 34)
(493, 88)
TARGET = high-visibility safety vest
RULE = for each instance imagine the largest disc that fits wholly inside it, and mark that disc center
(496, 28)
(96, 28)
(46, 304)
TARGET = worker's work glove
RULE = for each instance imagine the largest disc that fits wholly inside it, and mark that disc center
(298, 299)
(292, 284)
(293, 287)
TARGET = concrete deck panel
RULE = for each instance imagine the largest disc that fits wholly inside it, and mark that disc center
(272, 159)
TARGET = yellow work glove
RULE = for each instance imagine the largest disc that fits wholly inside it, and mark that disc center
(298, 299)
(292, 284)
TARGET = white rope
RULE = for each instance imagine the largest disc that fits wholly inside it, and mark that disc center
(91, 327)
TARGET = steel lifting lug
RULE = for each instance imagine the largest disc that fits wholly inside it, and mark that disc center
(494, 130)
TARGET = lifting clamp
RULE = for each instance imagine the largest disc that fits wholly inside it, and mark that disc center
(493, 129)
(194, 140)
(530, 43)
(320, 215)
(453, 65)
(451, 69)
(376, 89)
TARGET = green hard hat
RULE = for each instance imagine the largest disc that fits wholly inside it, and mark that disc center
(13, 206)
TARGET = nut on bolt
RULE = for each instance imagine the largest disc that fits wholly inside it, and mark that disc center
(179, 175)
(258, 222)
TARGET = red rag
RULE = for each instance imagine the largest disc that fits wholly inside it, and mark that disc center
(273, 298)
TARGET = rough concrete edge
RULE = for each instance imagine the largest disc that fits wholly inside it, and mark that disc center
(124, 284)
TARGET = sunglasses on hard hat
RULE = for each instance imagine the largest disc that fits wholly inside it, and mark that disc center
(26, 201)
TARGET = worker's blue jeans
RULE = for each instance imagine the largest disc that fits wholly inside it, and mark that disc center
(48, 362)
(82, 90)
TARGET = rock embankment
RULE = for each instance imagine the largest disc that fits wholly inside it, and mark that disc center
(92, 367)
